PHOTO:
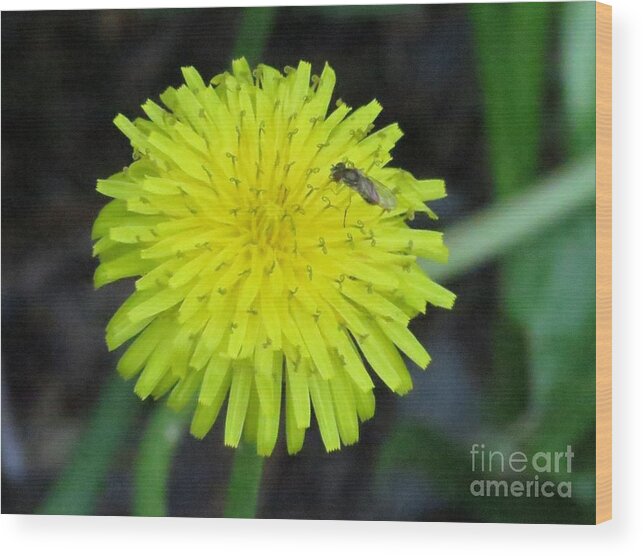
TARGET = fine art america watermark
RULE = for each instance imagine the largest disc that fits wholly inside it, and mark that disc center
(486, 463)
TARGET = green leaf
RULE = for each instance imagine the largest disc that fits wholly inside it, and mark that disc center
(550, 290)
(551, 285)
(511, 41)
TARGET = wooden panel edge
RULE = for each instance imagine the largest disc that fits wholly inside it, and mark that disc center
(603, 262)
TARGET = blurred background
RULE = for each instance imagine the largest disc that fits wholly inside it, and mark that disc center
(499, 100)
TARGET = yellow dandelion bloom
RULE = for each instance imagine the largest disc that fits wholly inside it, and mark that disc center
(260, 280)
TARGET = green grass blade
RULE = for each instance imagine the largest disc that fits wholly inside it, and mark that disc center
(81, 483)
(253, 33)
(511, 42)
(512, 46)
(504, 226)
(578, 74)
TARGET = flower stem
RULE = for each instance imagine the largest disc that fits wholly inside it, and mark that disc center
(245, 480)
(154, 461)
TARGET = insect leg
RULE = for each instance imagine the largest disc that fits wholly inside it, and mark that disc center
(350, 199)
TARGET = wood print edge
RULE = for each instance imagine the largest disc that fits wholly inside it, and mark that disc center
(603, 262)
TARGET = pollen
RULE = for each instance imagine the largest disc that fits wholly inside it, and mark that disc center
(263, 288)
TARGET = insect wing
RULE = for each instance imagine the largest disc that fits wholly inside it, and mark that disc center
(385, 197)
(366, 188)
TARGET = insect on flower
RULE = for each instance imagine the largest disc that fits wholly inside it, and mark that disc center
(371, 190)
(240, 307)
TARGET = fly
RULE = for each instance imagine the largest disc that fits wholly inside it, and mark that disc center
(371, 190)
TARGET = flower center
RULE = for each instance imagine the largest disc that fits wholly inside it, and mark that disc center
(272, 225)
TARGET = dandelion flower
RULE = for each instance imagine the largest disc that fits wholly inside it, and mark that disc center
(259, 280)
